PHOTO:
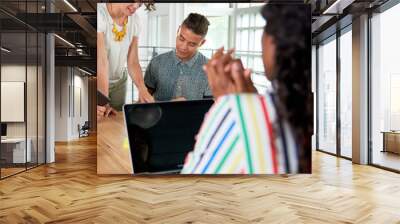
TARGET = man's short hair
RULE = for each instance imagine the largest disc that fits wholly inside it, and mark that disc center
(197, 23)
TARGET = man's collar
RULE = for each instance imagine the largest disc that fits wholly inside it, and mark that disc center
(189, 63)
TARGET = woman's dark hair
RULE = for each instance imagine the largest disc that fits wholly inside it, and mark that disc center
(290, 27)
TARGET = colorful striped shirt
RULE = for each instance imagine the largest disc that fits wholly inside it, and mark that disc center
(242, 134)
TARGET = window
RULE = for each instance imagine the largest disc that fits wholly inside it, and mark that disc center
(346, 93)
(248, 5)
(219, 16)
(248, 32)
(218, 32)
(162, 28)
(327, 95)
(210, 5)
(231, 25)
(314, 84)
(394, 102)
(22, 76)
(385, 88)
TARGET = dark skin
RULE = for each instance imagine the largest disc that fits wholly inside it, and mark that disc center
(226, 75)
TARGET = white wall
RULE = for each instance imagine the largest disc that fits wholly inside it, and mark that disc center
(69, 85)
(80, 100)
(14, 73)
(12, 101)
(61, 104)
(84, 84)
(33, 126)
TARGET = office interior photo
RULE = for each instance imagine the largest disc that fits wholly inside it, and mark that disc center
(34, 99)
(48, 152)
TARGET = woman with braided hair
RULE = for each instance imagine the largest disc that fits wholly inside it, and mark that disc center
(250, 133)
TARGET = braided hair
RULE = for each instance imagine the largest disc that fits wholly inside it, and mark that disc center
(290, 26)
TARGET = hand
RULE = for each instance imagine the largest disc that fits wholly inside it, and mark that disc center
(145, 96)
(105, 111)
(241, 77)
(227, 75)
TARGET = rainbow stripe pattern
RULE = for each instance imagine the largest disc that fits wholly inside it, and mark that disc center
(242, 134)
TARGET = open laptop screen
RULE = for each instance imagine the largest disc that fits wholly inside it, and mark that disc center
(161, 134)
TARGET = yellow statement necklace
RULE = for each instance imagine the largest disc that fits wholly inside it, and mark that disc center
(119, 35)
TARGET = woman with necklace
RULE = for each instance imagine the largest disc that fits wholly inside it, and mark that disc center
(117, 47)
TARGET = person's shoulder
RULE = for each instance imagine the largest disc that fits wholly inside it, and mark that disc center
(102, 8)
(243, 96)
(226, 100)
(264, 99)
(136, 19)
(135, 24)
(202, 58)
(162, 57)
(246, 100)
(257, 104)
(103, 19)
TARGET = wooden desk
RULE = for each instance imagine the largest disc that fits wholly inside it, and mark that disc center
(391, 141)
(13, 150)
(113, 156)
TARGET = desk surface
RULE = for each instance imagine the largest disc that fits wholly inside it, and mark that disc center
(13, 140)
(113, 156)
(390, 132)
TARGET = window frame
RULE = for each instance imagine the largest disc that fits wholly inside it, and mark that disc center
(378, 10)
(333, 37)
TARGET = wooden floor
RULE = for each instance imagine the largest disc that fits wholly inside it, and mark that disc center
(387, 159)
(5, 172)
(10, 171)
(69, 191)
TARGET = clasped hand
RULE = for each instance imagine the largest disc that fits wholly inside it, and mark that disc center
(226, 75)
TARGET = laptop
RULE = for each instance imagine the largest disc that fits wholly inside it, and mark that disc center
(161, 134)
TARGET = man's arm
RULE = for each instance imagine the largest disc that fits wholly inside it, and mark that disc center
(149, 80)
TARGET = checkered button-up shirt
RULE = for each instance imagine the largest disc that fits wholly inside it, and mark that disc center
(171, 78)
